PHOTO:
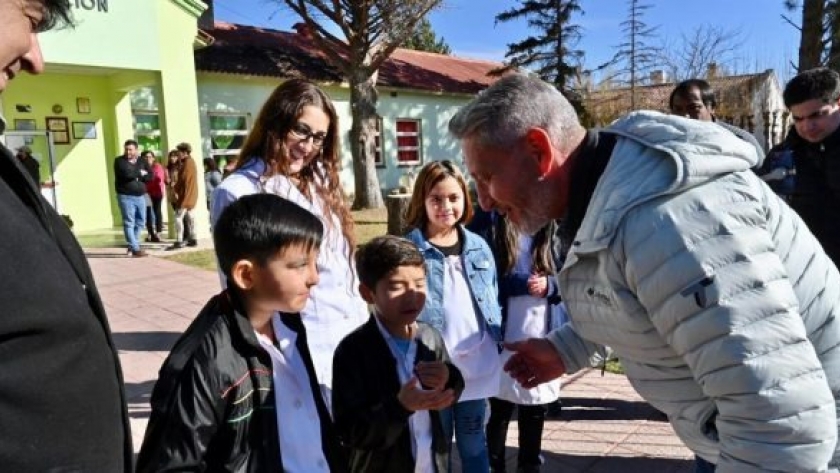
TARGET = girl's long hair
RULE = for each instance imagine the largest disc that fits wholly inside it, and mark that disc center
(276, 118)
(506, 242)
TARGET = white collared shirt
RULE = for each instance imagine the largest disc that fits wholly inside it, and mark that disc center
(298, 425)
(334, 308)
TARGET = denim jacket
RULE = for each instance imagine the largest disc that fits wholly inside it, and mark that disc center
(481, 278)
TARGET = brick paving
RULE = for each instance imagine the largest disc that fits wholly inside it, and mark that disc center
(604, 427)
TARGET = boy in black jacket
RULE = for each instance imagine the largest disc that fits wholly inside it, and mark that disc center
(392, 375)
(243, 365)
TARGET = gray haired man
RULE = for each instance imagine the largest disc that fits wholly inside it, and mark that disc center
(717, 299)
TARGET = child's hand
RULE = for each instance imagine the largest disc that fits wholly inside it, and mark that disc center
(432, 374)
(415, 398)
(538, 285)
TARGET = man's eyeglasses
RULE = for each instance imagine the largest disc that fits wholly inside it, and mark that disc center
(302, 132)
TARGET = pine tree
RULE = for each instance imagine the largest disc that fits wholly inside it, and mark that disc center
(635, 56)
(549, 54)
(424, 39)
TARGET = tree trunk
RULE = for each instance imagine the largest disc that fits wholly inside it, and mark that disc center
(810, 44)
(363, 98)
(833, 61)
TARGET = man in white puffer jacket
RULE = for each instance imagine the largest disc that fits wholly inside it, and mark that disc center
(718, 300)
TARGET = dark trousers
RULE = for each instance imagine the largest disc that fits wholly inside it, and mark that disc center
(154, 216)
(531, 420)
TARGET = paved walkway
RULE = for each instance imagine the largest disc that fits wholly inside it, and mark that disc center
(604, 427)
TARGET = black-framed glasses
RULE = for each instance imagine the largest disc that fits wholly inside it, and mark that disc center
(302, 132)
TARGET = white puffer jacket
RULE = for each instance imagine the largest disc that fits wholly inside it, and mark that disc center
(717, 299)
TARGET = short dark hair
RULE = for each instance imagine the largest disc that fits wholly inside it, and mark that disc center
(211, 164)
(147, 153)
(184, 147)
(820, 83)
(258, 226)
(378, 257)
(57, 14)
(707, 93)
(131, 143)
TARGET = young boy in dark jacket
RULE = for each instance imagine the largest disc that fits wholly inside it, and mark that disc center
(392, 375)
(243, 365)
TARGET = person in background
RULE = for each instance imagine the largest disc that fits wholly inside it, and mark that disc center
(238, 391)
(779, 170)
(32, 166)
(293, 151)
(530, 302)
(393, 375)
(212, 178)
(154, 192)
(62, 397)
(809, 158)
(695, 98)
(130, 177)
(185, 194)
(716, 298)
(462, 301)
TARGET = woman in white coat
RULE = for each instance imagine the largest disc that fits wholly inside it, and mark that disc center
(293, 151)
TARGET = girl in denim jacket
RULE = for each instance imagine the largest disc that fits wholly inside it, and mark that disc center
(462, 301)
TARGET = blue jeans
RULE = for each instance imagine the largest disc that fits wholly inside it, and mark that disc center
(468, 418)
(702, 466)
(133, 209)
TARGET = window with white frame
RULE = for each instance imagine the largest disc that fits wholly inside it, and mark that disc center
(147, 130)
(378, 159)
(408, 142)
(227, 134)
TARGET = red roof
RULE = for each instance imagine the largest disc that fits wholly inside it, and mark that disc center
(249, 50)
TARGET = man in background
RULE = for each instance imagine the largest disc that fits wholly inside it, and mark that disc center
(130, 177)
(808, 161)
(695, 98)
(62, 402)
(185, 193)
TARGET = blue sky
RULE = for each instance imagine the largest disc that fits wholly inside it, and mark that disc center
(468, 26)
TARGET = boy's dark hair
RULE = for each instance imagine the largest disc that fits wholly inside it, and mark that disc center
(57, 14)
(378, 257)
(707, 93)
(258, 226)
(184, 147)
(131, 143)
(821, 83)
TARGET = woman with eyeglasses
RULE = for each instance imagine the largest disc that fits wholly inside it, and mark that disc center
(293, 151)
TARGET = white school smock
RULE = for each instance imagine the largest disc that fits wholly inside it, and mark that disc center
(298, 424)
(470, 345)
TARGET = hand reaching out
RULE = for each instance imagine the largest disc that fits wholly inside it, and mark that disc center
(534, 361)
(415, 398)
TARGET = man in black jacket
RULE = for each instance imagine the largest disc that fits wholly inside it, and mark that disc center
(813, 98)
(62, 402)
(130, 177)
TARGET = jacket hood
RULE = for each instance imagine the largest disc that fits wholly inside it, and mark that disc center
(700, 150)
(656, 155)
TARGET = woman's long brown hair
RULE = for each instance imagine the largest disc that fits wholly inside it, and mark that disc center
(277, 116)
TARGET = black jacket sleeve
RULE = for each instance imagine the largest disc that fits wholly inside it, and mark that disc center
(186, 412)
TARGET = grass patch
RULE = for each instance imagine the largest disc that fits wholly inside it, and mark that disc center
(369, 224)
(614, 366)
(203, 259)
